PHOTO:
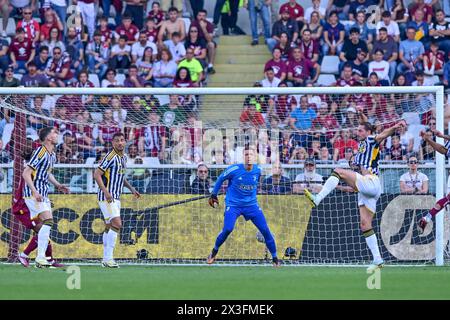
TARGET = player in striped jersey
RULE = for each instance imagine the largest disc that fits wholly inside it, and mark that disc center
(441, 203)
(110, 177)
(364, 179)
(37, 174)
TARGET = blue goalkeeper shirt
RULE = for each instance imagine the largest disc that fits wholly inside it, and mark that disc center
(242, 185)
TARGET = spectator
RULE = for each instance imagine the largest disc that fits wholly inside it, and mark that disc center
(75, 49)
(136, 10)
(277, 65)
(107, 128)
(105, 32)
(316, 7)
(21, 51)
(276, 183)
(206, 32)
(41, 60)
(137, 49)
(33, 78)
(87, 10)
(346, 80)
(315, 26)
(251, 117)
(284, 46)
(433, 60)
(164, 70)
(299, 155)
(156, 15)
(128, 30)
(98, 55)
(365, 33)
(119, 113)
(380, 67)
(263, 8)
(285, 24)
(84, 82)
(421, 26)
(351, 47)
(58, 69)
(193, 65)
(132, 154)
(67, 151)
(9, 80)
(341, 7)
(410, 53)
(296, 12)
(325, 155)
(440, 31)
(229, 13)
(31, 26)
(172, 113)
(426, 151)
(358, 6)
(197, 44)
(343, 142)
(309, 179)
(300, 70)
(183, 79)
(389, 48)
(425, 8)
(309, 47)
(421, 80)
(326, 120)
(413, 181)
(120, 54)
(151, 30)
(145, 65)
(400, 15)
(391, 27)
(4, 52)
(153, 137)
(270, 81)
(54, 41)
(333, 35)
(176, 47)
(174, 24)
(51, 20)
(348, 155)
(133, 80)
(396, 152)
(138, 176)
(360, 69)
(301, 118)
(202, 184)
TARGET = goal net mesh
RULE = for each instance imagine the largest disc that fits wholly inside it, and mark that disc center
(299, 140)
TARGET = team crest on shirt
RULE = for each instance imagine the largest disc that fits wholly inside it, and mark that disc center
(362, 148)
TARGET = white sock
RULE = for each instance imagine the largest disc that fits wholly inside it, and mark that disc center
(23, 255)
(210, 65)
(43, 237)
(110, 244)
(372, 243)
(105, 241)
(428, 217)
(329, 186)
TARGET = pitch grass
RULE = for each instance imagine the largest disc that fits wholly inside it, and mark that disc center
(194, 282)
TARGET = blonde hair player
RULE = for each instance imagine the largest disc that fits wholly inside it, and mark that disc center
(110, 177)
(363, 178)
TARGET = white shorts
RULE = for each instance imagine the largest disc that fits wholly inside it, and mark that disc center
(369, 191)
(36, 207)
(110, 209)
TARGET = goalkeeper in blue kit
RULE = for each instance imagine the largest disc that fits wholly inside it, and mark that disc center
(240, 199)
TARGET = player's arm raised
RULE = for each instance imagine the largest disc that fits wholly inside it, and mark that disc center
(136, 194)
(389, 131)
(436, 146)
(98, 173)
(440, 134)
(58, 185)
(27, 172)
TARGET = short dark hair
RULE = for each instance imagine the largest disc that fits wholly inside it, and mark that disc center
(202, 11)
(386, 14)
(176, 34)
(307, 30)
(124, 37)
(354, 30)
(44, 132)
(126, 16)
(379, 50)
(155, 2)
(373, 73)
(171, 9)
(368, 126)
(31, 64)
(118, 134)
(42, 48)
(347, 65)
(383, 29)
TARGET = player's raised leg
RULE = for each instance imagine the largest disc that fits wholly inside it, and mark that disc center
(440, 204)
(338, 174)
(230, 217)
(259, 220)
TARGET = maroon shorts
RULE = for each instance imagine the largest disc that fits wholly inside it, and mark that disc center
(26, 221)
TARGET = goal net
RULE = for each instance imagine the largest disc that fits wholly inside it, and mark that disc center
(178, 141)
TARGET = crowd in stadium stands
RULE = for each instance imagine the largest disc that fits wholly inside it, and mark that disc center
(139, 48)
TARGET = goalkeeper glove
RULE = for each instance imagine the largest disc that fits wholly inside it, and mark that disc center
(213, 201)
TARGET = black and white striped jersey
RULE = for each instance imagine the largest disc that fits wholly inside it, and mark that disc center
(368, 155)
(42, 163)
(113, 166)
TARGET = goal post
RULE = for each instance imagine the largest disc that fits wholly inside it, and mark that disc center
(173, 223)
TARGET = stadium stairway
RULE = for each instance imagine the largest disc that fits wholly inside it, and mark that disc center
(238, 64)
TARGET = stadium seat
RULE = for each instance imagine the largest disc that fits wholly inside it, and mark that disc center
(330, 64)
(18, 76)
(187, 23)
(94, 79)
(434, 79)
(111, 21)
(120, 77)
(326, 80)
(10, 27)
(163, 99)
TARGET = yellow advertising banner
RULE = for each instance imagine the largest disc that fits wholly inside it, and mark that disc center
(164, 227)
